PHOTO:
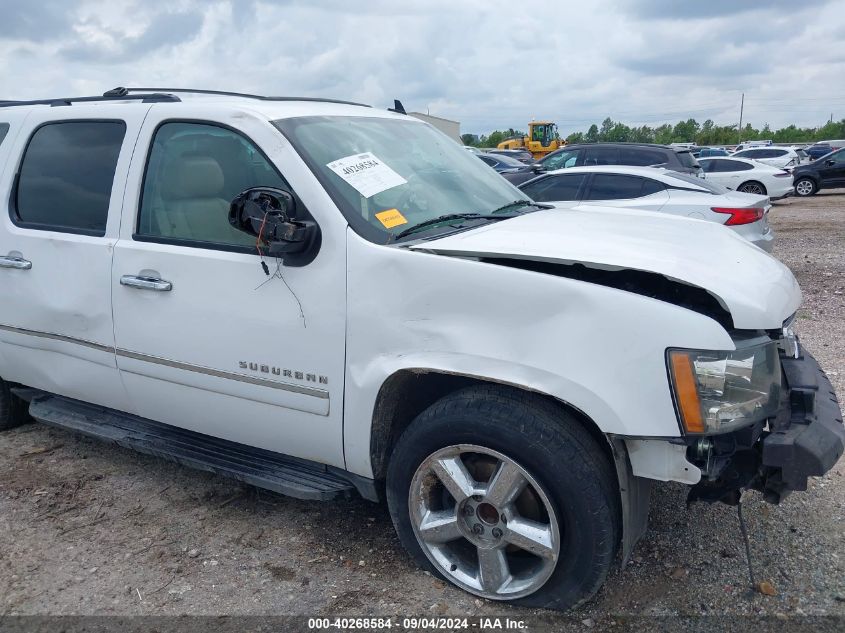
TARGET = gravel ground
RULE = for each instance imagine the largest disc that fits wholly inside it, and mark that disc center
(94, 529)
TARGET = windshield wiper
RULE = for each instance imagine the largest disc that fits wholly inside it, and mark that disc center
(447, 218)
(515, 203)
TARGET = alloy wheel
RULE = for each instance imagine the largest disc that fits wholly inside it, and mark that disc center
(484, 522)
(804, 188)
(752, 188)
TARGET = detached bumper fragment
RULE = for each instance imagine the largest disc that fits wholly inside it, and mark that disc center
(807, 437)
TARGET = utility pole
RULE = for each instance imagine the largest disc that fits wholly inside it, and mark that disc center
(741, 108)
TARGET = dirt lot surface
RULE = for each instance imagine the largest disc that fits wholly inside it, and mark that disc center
(92, 529)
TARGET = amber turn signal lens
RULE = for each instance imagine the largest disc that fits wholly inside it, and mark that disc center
(686, 391)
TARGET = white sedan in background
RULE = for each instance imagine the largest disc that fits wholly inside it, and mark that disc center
(657, 190)
(748, 176)
(783, 157)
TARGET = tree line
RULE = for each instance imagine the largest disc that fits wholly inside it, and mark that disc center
(689, 131)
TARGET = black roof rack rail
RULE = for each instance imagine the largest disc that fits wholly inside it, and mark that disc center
(109, 96)
(224, 93)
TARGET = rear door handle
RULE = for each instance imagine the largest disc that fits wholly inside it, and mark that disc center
(146, 283)
(8, 261)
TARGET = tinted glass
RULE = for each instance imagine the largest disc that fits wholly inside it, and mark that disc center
(4, 128)
(488, 160)
(696, 182)
(193, 173)
(838, 157)
(508, 161)
(651, 186)
(66, 176)
(726, 165)
(614, 187)
(687, 160)
(641, 157)
(556, 188)
(601, 156)
(560, 160)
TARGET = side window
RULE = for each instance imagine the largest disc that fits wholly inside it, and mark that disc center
(601, 156)
(66, 177)
(735, 165)
(640, 157)
(614, 187)
(559, 188)
(4, 129)
(838, 157)
(708, 165)
(194, 170)
(720, 166)
(651, 186)
(488, 160)
(563, 160)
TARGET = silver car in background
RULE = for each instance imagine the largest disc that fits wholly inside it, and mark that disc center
(656, 190)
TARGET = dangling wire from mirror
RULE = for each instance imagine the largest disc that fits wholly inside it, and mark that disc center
(277, 274)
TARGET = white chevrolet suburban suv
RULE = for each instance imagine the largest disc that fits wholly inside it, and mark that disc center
(318, 297)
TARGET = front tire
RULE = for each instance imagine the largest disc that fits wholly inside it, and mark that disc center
(13, 410)
(507, 496)
(805, 187)
(752, 186)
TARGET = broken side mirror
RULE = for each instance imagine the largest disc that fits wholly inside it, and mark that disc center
(269, 214)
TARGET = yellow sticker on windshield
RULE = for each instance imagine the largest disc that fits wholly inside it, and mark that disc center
(391, 218)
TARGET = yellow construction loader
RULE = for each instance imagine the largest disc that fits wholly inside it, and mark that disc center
(542, 139)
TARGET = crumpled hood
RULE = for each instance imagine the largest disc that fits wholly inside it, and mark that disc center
(758, 290)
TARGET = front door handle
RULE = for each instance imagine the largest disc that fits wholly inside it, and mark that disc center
(8, 261)
(146, 283)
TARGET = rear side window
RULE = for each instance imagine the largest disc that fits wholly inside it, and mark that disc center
(558, 188)
(641, 157)
(601, 156)
(561, 160)
(688, 160)
(66, 176)
(615, 187)
(729, 165)
(651, 186)
(4, 129)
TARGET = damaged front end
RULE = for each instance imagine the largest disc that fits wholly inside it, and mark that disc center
(804, 437)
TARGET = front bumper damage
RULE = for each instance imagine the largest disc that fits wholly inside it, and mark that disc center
(805, 439)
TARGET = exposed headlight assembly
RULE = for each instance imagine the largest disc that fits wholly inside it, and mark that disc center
(717, 392)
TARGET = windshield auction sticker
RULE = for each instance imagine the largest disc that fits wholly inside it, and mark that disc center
(366, 173)
(391, 218)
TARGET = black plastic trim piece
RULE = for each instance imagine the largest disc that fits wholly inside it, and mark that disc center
(66, 101)
(291, 476)
(224, 93)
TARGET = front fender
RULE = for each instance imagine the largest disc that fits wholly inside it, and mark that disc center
(599, 349)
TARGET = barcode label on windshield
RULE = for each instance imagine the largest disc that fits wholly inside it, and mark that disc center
(366, 173)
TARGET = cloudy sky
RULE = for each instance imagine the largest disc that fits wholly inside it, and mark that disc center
(487, 63)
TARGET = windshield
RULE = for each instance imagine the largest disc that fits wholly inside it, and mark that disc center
(388, 175)
(508, 160)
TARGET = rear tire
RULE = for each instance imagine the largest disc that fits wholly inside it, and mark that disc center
(565, 496)
(752, 186)
(13, 410)
(805, 187)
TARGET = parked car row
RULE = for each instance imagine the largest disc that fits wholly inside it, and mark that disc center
(657, 190)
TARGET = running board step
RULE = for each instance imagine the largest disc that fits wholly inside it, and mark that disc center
(265, 469)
